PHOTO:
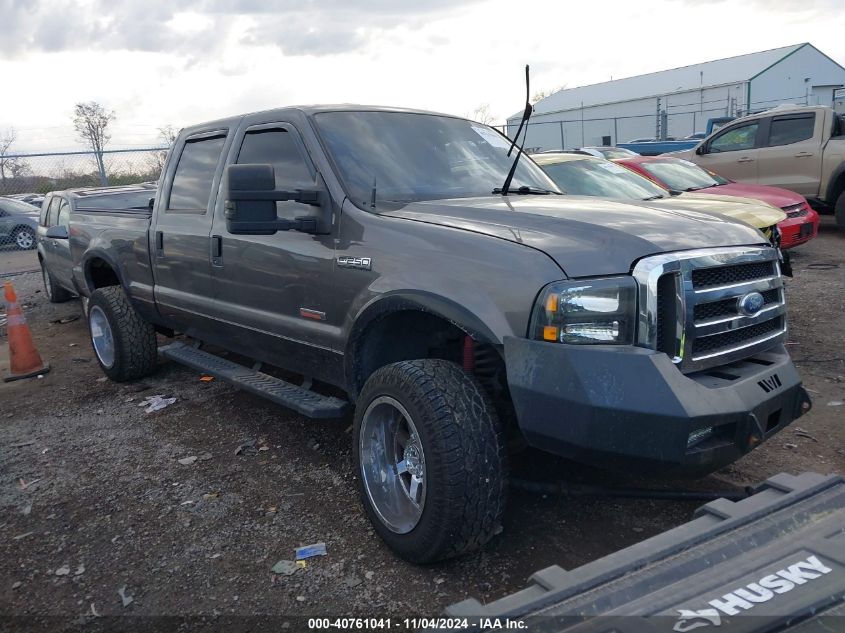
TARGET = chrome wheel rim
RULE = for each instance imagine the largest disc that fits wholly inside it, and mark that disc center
(24, 239)
(393, 467)
(101, 336)
(47, 288)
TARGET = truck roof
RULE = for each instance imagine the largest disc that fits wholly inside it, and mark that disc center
(309, 110)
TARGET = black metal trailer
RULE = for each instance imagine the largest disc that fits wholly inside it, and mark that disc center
(772, 562)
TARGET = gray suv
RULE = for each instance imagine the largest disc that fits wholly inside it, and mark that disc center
(18, 223)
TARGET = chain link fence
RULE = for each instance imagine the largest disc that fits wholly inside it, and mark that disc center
(37, 174)
(26, 178)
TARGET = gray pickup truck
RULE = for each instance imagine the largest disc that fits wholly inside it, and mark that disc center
(373, 254)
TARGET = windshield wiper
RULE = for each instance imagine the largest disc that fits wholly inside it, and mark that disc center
(524, 190)
(695, 188)
(505, 189)
(659, 196)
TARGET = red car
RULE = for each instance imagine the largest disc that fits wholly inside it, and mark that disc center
(801, 223)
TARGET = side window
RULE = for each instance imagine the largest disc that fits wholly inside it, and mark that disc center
(194, 173)
(791, 129)
(279, 148)
(735, 139)
(53, 211)
(64, 213)
(42, 218)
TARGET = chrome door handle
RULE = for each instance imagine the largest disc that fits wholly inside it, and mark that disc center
(745, 159)
(803, 154)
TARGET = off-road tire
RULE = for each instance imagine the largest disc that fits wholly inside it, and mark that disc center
(839, 210)
(134, 338)
(465, 458)
(55, 292)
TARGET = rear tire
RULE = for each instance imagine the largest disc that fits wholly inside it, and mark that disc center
(451, 442)
(55, 293)
(124, 344)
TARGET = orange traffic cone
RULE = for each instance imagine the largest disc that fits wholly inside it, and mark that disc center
(24, 357)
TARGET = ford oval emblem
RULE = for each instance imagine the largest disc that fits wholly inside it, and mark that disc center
(751, 304)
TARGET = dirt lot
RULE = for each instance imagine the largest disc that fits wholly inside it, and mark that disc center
(95, 501)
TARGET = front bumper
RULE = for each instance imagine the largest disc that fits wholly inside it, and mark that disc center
(795, 231)
(614, 405)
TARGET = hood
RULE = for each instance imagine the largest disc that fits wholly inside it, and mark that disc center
(757, 213)
(585, 236)
(774, 196)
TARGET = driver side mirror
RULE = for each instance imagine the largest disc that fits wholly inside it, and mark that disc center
(251, 196)
(700, 149)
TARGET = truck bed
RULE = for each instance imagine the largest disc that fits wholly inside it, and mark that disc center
(772, 562)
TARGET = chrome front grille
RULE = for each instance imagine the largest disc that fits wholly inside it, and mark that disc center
(689, 305)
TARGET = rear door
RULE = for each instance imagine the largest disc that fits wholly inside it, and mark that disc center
(732, 152)
(791, 155)
(179, 236)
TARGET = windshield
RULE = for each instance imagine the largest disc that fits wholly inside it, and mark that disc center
(410, 157)
(125, 200)
(16, 206)
(682, 175)
(602, 178)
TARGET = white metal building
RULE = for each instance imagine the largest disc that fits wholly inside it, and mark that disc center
(625, 109)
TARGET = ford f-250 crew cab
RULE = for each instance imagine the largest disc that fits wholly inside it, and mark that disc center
(374, 253)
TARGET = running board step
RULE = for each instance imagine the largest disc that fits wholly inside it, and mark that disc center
(309, 403)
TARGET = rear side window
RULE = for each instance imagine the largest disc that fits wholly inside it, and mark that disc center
(194, 174)
(64, 212)
(278, 147)
(42, 218)
(785, 130)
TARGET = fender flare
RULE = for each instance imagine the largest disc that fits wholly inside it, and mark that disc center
(86, 269)
(412, 300)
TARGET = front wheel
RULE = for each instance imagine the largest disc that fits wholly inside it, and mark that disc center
(124, 344)
(430, 460)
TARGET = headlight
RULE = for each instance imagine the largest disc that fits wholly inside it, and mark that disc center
(593, 311)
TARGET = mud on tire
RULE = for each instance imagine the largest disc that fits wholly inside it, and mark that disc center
(465, 458)
(134, 339)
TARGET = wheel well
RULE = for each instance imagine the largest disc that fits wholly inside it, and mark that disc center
(413, 334)
(101, 274)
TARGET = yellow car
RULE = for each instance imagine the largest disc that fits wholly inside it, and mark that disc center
(584, 175)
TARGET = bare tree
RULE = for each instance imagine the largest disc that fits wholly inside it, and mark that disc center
(10, 166)
(482, 114)
(167, 134)
(91, 121)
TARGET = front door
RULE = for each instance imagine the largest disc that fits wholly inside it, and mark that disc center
(732, 153)
(179, 237)
(274, 292)
(791, 155)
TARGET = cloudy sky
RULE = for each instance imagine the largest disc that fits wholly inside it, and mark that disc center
(159, 62)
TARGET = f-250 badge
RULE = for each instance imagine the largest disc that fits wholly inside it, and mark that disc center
(360, 263)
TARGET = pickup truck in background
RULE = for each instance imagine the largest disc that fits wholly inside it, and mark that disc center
(388, 259)
(800, 148)
(54, 222)
(655, 147)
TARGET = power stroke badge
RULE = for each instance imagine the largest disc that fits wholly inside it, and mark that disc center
(745, 598)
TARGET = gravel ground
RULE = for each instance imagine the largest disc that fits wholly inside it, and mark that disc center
(96, 502)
